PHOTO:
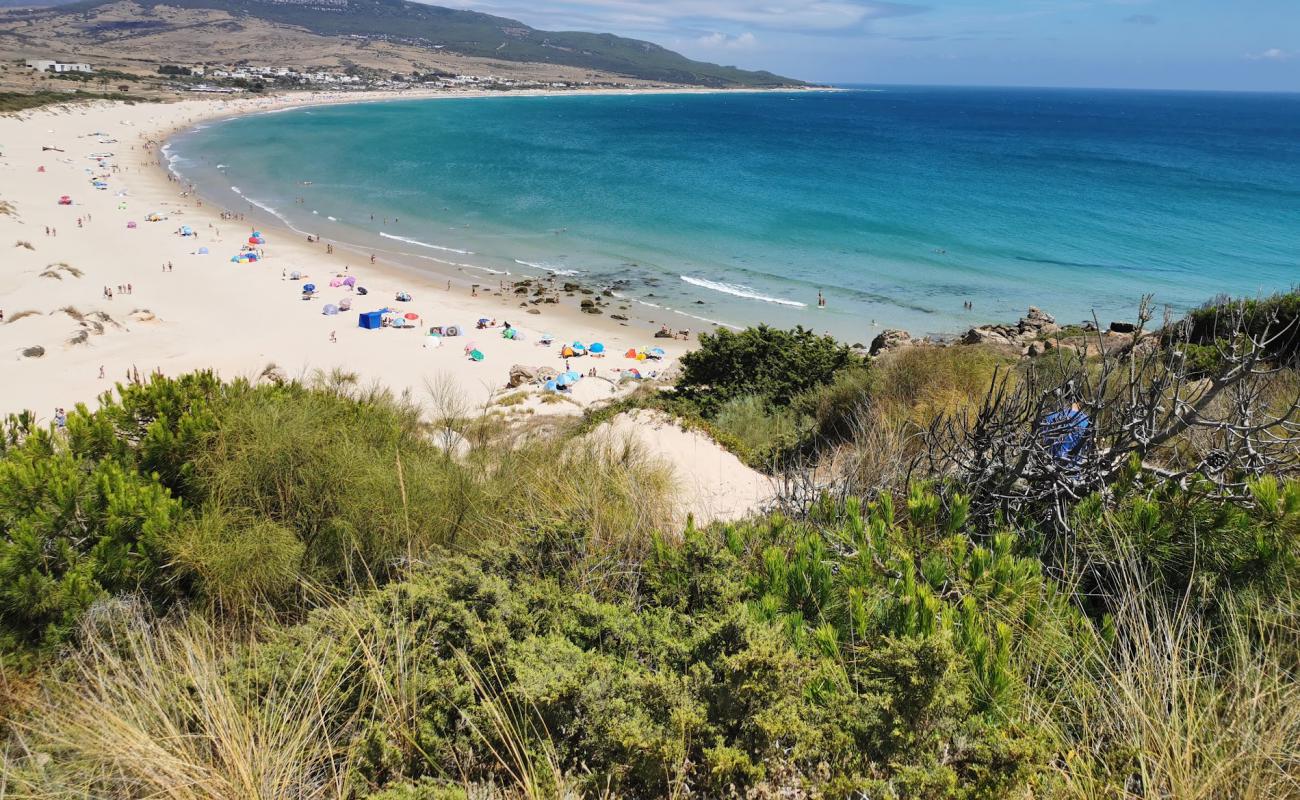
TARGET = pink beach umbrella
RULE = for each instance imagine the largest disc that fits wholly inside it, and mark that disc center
(130, 224)
(336, 282)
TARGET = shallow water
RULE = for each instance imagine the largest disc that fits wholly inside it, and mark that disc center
(898, 204)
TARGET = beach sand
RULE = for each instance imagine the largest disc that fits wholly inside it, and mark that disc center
(206, 312)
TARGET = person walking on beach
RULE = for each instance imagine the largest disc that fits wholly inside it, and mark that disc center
(333, 338)
(101, 372)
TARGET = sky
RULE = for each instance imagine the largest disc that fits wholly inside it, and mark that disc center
(1245, 45)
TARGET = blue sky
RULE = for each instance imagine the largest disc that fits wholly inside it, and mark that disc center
(1176, 44)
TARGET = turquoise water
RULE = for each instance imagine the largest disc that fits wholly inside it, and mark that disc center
(897, 204)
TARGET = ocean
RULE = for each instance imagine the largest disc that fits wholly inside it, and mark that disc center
(898, 205)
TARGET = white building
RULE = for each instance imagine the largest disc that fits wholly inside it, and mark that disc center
(48, 65)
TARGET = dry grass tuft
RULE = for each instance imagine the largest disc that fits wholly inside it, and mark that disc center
(56, 271)
(1179, 705)
(29, 312)
(147, 709)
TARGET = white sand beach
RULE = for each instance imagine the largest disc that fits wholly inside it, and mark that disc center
(203, 311)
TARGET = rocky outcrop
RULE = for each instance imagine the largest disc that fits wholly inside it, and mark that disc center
(889, 339)
(520, 375)
(1122, 327)
(1034, 324)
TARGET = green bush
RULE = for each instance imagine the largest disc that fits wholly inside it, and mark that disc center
(769, 363)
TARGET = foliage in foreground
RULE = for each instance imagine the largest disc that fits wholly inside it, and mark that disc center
(282, 591)
(238, 495)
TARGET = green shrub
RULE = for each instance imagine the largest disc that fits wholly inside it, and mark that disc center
(769, 363)
(758, 429)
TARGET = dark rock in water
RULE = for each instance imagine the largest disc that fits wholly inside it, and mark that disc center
(591, 310)
(889, 339)
(618, 317)
(607, 292)
(587, 303)
(699, 302)
(570, 287)
(35, 351)
(1089, 326)
(1122, 327)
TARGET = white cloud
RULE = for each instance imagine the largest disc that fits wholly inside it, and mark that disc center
(744, 41)
(1273, 54)
(809, 16)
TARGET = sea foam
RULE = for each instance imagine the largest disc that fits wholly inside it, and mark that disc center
(736, 290)
(419, 243)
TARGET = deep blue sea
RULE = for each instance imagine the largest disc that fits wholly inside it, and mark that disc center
(898, 204)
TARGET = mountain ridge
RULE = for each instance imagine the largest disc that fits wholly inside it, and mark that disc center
(468, 33)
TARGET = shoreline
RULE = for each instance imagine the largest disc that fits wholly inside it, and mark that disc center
(633, 310)
(209, 313)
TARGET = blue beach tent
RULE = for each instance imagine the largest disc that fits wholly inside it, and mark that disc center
(370, 320)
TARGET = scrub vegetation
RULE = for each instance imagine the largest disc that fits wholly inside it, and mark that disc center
(279, 589)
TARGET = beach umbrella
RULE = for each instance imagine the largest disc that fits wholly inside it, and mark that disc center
(345, 304)
(203, 251)
(573, 376)
(295, 275)
(451, 330)
(657, 351)
(335, 283)
(186, 230)
(362, 290)
(130, 224)
(330, 309)
(631, 353)
(349, 281)
(309, 287)
(562, 380)
(551, 385)
(476, 355)
(596, 347)
(412, 316)
(65, 200)
(257, 234)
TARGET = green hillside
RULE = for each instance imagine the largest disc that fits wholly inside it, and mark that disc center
(474, 34)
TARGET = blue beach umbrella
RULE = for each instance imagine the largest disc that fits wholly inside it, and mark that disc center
(596, 347)
(551, 385)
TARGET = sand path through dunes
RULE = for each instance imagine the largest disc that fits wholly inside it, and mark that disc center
(714, 484)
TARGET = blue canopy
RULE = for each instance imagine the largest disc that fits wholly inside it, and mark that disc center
(370, 320)
(596, 347)
(203, 251)
(309, 287)
(551, 385)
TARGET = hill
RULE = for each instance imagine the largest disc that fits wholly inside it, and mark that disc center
(431, 29)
